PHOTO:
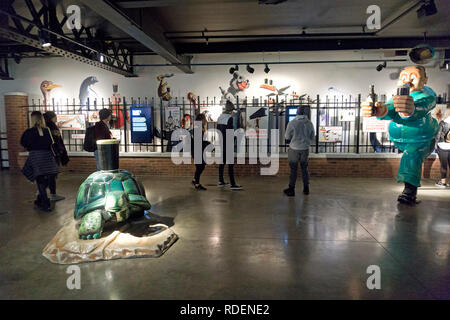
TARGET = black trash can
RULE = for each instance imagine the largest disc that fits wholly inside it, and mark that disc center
(108, 153)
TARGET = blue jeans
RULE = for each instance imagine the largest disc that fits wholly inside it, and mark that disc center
(97, 159)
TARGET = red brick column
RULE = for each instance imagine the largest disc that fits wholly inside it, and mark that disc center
(16, 124)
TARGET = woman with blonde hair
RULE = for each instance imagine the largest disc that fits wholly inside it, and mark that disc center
(443, 148)
(41, 165)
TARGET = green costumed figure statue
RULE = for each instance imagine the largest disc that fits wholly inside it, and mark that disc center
(412, 128)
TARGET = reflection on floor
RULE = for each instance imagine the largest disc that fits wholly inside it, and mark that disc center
(250, 244)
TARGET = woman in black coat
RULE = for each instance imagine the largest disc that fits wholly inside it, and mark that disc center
(61, 156)
(41, 165)
(199, 167)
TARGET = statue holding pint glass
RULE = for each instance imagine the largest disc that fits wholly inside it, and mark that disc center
(412, 129)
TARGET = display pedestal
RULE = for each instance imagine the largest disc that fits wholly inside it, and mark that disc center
(134, 239)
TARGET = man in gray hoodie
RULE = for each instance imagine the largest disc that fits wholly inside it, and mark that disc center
(300, 132)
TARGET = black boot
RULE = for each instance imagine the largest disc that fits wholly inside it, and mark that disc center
(306, 189)
(409, 194)
(290, 192)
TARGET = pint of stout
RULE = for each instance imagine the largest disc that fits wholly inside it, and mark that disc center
(108, 153)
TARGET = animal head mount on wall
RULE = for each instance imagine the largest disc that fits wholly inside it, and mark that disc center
(163, 89)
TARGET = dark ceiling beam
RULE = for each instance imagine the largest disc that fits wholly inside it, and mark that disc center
(16, 36)
(309, 45)
(149, 35)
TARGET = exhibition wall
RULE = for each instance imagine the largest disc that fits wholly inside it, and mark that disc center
(313, 79)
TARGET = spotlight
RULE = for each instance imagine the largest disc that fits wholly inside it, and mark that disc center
(231, 70)
(250, 69)
(236, 68)
(381, 66)
(266, 69)
(427, 9)
(44, 39)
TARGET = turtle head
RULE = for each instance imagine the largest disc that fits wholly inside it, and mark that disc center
(117, 203)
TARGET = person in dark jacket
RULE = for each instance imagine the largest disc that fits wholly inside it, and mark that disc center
(443, 148)
(200, 124)
(41, 165)
(224, 123)
(101, 131)
(61, 153)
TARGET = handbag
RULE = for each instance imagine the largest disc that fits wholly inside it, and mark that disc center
(54, 148)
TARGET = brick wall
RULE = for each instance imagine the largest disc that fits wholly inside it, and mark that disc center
(318, 167)
(16, 124)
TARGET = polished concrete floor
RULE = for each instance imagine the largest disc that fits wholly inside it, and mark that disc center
(250, 244)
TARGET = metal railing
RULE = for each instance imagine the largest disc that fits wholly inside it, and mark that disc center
(324, 112)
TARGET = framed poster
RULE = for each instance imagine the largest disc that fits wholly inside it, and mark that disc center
(141, 124)
(346, 115)
(330, 134)
(372, 124)
(258, 119)
(93, 116)
(171, 118)
(71, 122)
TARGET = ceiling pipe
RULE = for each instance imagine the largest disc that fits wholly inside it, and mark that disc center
(392, 19)
(269, 63)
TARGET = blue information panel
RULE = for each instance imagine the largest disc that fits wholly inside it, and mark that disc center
(141, 124)
(291, 113)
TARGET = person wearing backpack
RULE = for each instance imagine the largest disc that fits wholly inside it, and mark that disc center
(100, 132)
(443, 148)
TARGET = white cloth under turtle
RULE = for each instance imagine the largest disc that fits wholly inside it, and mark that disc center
(66, 248)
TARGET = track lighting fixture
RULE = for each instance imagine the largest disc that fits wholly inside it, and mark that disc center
(250, 69)
(381, 66)
(266, 69)
(44, 38)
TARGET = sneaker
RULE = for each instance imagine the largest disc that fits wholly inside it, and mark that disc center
(439, 184)
(235, 187)
(306, 190)
(200, 187)
(222, 184)
(55, 197)
(290, 192)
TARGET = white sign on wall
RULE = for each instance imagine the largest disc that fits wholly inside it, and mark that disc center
(346, 115)
(71, 122)
(115, 133)
(372, 124)
(330, 134)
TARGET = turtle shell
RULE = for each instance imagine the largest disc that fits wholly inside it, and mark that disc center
(92, 192)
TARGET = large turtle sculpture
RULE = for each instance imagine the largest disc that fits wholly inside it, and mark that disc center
(107, 195)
